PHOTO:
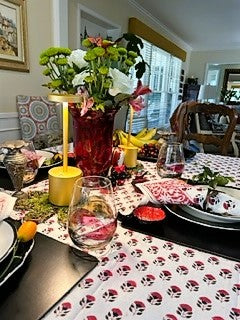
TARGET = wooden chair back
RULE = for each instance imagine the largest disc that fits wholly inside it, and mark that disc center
(221, 140)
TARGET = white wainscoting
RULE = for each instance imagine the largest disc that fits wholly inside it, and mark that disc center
(9, 126)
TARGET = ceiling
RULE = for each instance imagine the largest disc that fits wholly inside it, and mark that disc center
(202, 24)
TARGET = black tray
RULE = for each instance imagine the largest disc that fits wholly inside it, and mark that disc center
(224, 243)
(49, 272)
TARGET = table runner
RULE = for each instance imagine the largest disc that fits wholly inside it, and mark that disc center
(148, 278)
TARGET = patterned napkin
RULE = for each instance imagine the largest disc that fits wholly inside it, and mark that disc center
(222, 203)
(7, 203)
(173, 191)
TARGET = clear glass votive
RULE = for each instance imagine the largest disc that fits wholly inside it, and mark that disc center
(170, 163)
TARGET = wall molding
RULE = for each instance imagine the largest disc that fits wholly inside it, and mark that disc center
(169, 33)
(10, 128)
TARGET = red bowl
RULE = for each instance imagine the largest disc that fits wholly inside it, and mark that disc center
(149, 214)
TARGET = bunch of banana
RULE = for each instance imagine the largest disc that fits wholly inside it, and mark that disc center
(145, 136)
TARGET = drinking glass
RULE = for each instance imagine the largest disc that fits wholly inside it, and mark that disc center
(170, 163)
(32, 162)
(92, 215)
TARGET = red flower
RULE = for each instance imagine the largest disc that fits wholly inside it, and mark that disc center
(141, 90)
(137, 102)
(119, 169)
(98, 41)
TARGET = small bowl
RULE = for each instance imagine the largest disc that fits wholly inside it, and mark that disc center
(149, 214)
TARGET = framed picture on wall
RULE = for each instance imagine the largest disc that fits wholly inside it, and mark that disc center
(13, 35)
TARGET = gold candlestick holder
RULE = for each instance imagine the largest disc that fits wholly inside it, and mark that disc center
(62, 179)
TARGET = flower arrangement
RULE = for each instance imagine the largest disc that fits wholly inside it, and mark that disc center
(101, 75)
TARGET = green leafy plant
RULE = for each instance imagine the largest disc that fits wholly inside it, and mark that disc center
(213, 179)
(101, 74)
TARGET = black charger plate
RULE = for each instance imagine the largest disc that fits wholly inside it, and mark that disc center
(49, 272)
(216, 241)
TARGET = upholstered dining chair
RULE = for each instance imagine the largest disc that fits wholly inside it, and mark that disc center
(203, 115)
(38, 120)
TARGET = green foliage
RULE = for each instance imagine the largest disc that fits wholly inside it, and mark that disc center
(57, 69)
(213, 179)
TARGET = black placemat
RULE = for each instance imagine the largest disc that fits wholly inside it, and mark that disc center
(49, 272)
(224, 243)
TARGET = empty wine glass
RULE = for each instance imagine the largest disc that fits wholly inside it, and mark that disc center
(170, 163)
(92, 216)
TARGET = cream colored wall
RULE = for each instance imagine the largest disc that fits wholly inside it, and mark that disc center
(12, 83)
(200, 59)
(40, 36)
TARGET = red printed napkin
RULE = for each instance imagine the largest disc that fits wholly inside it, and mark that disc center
(173, 191)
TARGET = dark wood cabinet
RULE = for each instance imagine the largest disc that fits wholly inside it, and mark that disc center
(190, 92)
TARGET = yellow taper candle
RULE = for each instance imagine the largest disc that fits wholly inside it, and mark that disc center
(130, 125)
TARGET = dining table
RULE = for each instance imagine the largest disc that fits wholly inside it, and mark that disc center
(174, 269)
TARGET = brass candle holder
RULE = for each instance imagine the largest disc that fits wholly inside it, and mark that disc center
(62, 179)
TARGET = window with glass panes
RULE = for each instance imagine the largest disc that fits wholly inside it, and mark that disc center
(163, 77)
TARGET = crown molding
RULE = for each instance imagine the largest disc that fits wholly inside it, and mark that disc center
(173, 36)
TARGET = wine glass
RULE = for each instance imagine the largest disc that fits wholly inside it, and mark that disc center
(92, 215)
(32, 162)
(170, 163)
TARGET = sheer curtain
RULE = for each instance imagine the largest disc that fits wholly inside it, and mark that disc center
(163, 77)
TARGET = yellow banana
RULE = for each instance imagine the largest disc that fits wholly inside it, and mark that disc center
(123, 139)
(136, 142)
(152, 141)
(142, 133)
(150, 134)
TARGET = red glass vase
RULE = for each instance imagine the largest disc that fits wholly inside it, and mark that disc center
(92, 140)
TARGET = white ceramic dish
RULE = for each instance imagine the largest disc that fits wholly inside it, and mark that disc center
(198, 213)
(8, 237)
(177, 211)
(17, 263)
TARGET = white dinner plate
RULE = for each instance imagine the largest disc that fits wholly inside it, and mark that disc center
(177, 211)
(204, 215)
(8, 237)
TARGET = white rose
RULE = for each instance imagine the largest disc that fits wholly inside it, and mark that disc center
(121, 82)
(78, 80)
(77, 57)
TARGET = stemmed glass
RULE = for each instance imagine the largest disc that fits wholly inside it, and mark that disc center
(15, 163)
(92, 216)
(170, 163)
(32, 162)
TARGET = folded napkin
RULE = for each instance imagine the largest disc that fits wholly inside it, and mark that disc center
(222, 203)
(7, 203)
(173, 191)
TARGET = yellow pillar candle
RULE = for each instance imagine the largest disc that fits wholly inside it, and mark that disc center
(61, 184)
(130, 156)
